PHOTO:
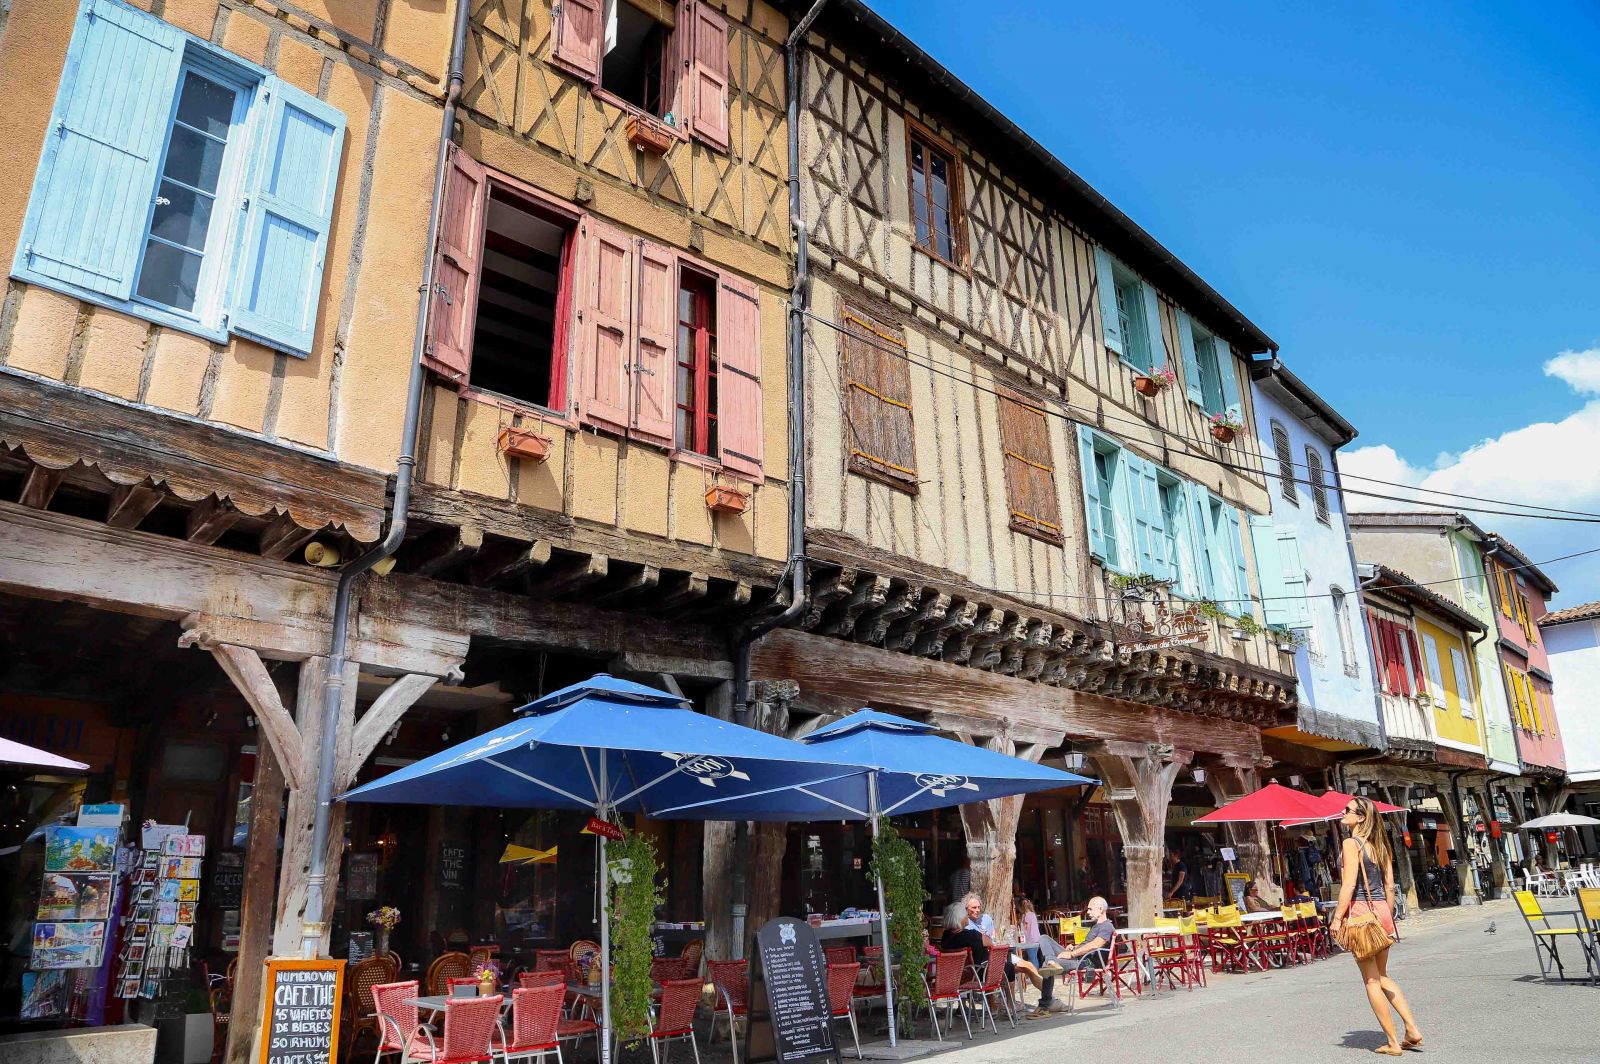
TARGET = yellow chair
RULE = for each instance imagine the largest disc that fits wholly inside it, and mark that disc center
(1545, 937)
(1589, 905)
(1168, 923)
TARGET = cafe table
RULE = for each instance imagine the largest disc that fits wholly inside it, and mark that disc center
(1256, 918)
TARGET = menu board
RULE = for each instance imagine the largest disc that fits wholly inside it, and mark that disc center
(794, 982)
(301, 1020)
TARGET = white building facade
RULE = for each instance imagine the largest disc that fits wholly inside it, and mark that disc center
(1572, 641)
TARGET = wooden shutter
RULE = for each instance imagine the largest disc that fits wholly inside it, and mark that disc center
(1156, 341)
(741, 428)
(1106, 283)
(1230, 379)
(1376, 635)
(457, 268)
(288, 213)
(86, 216)
(707, 74)
(1145, 511)
(1269, 569)
(605, 324)
(1091, 493)
(1241, 569)
(1464, 691)
(1192, 384)
(1319, 484)
(1030, 468)
(877, 376)
(1416, 661)
(654, 370)
(1285, 456)
(579, 27)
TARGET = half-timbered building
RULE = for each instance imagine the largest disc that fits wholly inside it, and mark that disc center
(1004, 534)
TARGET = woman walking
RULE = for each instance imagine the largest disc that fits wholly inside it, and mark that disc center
(1368, 884)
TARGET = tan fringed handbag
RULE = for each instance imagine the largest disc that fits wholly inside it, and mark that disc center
(1363, 935)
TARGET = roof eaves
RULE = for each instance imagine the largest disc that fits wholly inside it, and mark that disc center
(1273, 368)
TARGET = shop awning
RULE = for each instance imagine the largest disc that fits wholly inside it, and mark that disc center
(17, 754)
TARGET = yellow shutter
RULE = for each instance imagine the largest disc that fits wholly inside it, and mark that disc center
(1500, 581)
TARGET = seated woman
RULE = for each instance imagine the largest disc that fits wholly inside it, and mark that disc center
(957, 935)
(1254, 902)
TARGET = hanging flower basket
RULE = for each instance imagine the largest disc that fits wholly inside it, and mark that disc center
(1153, 384)
(722, 499)
(1223, 433)
(524, 443)
(652, 137)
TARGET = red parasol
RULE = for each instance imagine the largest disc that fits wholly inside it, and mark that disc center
(1331, 806)
(1272, 802)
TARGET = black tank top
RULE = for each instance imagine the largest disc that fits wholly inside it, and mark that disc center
(1374, 876)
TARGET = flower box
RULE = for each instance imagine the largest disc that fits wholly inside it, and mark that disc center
(651, 136)
(1148, 387)
(1223, 433)
(721, 499)
(524, 443)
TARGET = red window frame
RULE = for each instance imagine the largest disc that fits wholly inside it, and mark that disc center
(695, 402)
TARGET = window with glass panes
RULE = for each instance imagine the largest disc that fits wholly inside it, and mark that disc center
(174, 269)
(1131, 319)
(1172, 514)
(935, 206)
(1105, 466)
(696, 428)
(1205, 353)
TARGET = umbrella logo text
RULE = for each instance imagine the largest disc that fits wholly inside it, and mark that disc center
(940, 783)
(707, 769)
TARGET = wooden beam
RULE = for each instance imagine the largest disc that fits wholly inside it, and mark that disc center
(282, 537)
(130, 504)
(384, 713)
(209, 519)
(243, 666)
(255, 908)
(510, 563)
(572, 575)
(681, 591)
(869, 676)
(632, 585)
(39, 486)
(441, 550)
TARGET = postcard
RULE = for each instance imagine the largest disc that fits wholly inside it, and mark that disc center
(136, 954)
(139, 933)
(190, 868)
(182, 936)
(128, 986)
(186, 912)
(80, 849)
(188, 890)
(171, 867)
(167, 912)
(152, 858)
(44, 994)
(168, 890)
(67, 944)
(144, 911)
(66, 896)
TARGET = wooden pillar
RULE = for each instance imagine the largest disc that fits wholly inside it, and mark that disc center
(255, 905)
(1055, 842)
(1252, 842)
(1404, 879)
(716, 857)
(991, 830)
(1137, 782)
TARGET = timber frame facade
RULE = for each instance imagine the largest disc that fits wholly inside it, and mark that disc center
(956, 358)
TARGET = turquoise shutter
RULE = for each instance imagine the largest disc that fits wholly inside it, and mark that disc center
(1149, 528)
(1191, 361)
(1294, 579)
(1091, 493)
(97, 174)
(1230, 378)
(1234, 548)
(1157, 355)
(1125, 492)
(1202, 537)
(288, 211)
(1270, 570)
(1185, 569)
(1106, 282)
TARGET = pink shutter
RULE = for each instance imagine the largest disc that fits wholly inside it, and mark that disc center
(654, 367)
(707, 80)
(739, 420)
(605, 320)
(579, 26)
(455, 272)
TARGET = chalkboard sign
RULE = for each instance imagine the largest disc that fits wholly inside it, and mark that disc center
(300, 1023)
(793, 986)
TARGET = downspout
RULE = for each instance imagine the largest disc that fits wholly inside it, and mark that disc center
(311, 927)
(795, 351)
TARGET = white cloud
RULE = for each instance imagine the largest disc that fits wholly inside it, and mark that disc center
(1548, 463)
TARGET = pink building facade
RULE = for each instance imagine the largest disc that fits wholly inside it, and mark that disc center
(1521, 595)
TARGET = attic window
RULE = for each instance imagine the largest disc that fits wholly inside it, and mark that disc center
(635, 62)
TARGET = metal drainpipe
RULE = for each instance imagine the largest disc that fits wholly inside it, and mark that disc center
(796, 568)
(311, 927)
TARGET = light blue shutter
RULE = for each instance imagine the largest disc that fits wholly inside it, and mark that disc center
(1149, 529)
(1270, 570)
(1186, 568)
(1091, 493)
(1234, 548)
(1202, 537)
(1229, 372)
(1157, 355)
(1298, 610)
(1191, 361)
(289, 208)
(1106, 282)
(1124, 495)
(97, 174)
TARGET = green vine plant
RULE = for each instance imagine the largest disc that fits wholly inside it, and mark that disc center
(631, 864)
(894, 861)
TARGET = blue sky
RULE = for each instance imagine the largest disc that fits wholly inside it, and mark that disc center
(1405, 197)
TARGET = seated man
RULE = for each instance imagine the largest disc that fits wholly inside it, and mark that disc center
(959, 933)
(977, 919)
(1059, 959)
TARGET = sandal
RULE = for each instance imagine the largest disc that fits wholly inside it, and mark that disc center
(1388, 1051)
(1412, 1043)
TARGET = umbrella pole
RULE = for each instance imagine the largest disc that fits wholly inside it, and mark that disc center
(883, 919)
(605, 927)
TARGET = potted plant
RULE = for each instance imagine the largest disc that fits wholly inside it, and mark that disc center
(650, 135)
(384, 919)
(524, 443)
(1245, 628)
(1225, 426)
(726, 499)
(1154, 383)
(1289, 640)
(488, 975)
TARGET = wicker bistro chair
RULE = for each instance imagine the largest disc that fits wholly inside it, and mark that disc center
(454, 986)
(548, 959)
(584, 954)
(731, 980)
(360, 1010)
(446, 966)
(693, 950)
(535, 1023)
(839, 954)
(472, 1034)
(990, 981)
(674, 1018)
(841, 997)
(1545, 937)
(544, 977)
(945, 989)
(871, 988)
(665, 968)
